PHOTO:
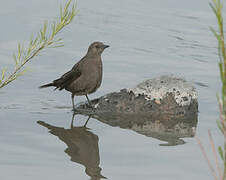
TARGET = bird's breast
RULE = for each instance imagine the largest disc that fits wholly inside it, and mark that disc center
(90, 79)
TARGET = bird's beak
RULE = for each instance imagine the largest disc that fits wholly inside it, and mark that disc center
(105, 46)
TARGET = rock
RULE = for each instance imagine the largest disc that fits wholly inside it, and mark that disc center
(158, 88)
(164, 97)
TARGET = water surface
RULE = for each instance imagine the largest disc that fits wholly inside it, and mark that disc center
(148, 38)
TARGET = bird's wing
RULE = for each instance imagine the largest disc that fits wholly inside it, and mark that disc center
(68, 77)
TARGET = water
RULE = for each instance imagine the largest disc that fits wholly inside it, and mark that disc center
(148, 38)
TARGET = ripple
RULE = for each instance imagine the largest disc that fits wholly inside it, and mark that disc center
(143, 50)
(200, 84)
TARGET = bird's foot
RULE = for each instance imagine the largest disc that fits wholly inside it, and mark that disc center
(89, 106)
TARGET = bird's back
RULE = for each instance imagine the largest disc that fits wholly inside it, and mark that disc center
(90, 77)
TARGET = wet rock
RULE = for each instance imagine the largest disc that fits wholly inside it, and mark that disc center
(164, 98)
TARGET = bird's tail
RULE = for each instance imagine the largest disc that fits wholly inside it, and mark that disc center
(46, 85)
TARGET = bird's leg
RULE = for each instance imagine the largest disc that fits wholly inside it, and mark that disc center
(72, 98)
(72, 120)
(88, 100)
(87, 121)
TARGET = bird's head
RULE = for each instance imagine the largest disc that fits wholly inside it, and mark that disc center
(96, 48)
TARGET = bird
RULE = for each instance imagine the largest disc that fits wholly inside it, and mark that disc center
(85, 77)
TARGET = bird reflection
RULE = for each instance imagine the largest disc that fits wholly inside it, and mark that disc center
(82, 146)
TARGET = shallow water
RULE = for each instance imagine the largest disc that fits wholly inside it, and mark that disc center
(148, 38)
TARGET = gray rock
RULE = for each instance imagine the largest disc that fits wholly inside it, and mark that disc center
(165, 97)
(158, 88)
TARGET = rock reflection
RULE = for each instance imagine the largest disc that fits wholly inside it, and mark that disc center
(82, 146)
(169, 130)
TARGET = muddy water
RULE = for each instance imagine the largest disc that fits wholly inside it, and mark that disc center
(148, 38)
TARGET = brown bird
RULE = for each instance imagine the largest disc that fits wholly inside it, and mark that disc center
(85, 77)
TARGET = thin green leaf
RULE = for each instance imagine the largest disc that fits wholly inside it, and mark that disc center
(3, 73)
(53, 30)
(19, 52)
(220, 151)
(67, 5)
(220, 126)
(213, 8)
(61, 13)
(15, 59)
(215, 33)
(35, 41)
(45, 28)
(221, 68)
